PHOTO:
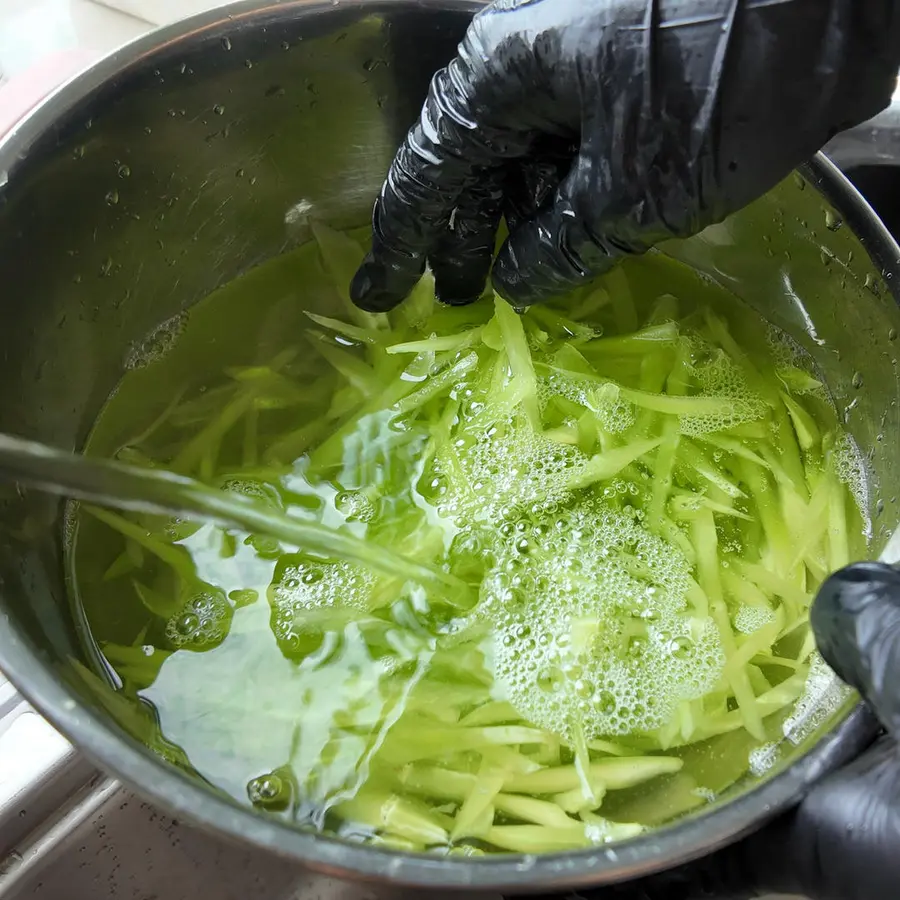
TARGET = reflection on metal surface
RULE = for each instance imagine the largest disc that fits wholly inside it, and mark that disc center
(874, 143)
(39, 773)
(124, 849)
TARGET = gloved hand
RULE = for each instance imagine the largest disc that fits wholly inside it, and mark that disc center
(843, 841)
(600, 127)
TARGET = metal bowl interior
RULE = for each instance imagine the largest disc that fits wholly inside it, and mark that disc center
(177, 164)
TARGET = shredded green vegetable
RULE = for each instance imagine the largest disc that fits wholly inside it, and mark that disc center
(549, 574)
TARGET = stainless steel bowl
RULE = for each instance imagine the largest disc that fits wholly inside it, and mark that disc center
(180, 162)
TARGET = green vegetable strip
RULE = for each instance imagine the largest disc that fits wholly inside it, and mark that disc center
(530, 809)
(691, 455)
(606, 465)
(664, 310)
(838, 543)
(706, 542)
(436, 344)
(605, 774)
(804, 425)
(789, 451)
(777, 538)
(767, 704)
(815, 523)
(497, 712)
(729, 445)
(175, 557)
(755, 643)
(386, 812)
(484, 794)
(682, 406)
(745, 592)
(639, 343)
(211, 435)
(668, 450)
(342, 257)
(721, 334)
(437, 782)
(776, 585)
(575, 801)
(163, 605)
(358, 374)
(799, 382)
(622, 300)
(610, 748)
(519, 355)
(530, 839)
(409, 745)
(354, 332)
(583, 767)
(439, 384)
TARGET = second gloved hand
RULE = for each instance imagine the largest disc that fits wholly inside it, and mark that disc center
(642, 119)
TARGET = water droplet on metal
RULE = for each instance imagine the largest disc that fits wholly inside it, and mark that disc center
(78, 152)
(248, 63)
(182, 69)
(219, 110)
(226, 43)
(285, 45)
(879, 507)
(872, 284)
(892, 334)
(800, 181)
(112, 198)
(89, 124)
(857, 380)
(832, 221)
(270, 792)
(124, 171)
(239, 173)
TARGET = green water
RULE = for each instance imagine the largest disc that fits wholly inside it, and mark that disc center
(640, 488)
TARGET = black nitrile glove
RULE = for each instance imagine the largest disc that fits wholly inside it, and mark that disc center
(843, 841)
(647, 119)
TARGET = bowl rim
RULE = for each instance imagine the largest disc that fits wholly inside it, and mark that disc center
(34, 675)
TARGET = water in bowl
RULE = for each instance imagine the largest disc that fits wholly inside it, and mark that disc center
(642, 485)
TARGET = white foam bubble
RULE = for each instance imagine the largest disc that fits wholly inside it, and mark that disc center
(763, 759)
(719, 376)
(592, 626)
(157, 343)
(752, 618)
(507, 465)
(311, 586)
(822, 697)
(201, 623)
(850, 466)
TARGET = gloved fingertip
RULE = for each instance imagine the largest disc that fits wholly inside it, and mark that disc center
(460, 282)
(367, 290)
(507, 280)
(456, 299)
(854, 613)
